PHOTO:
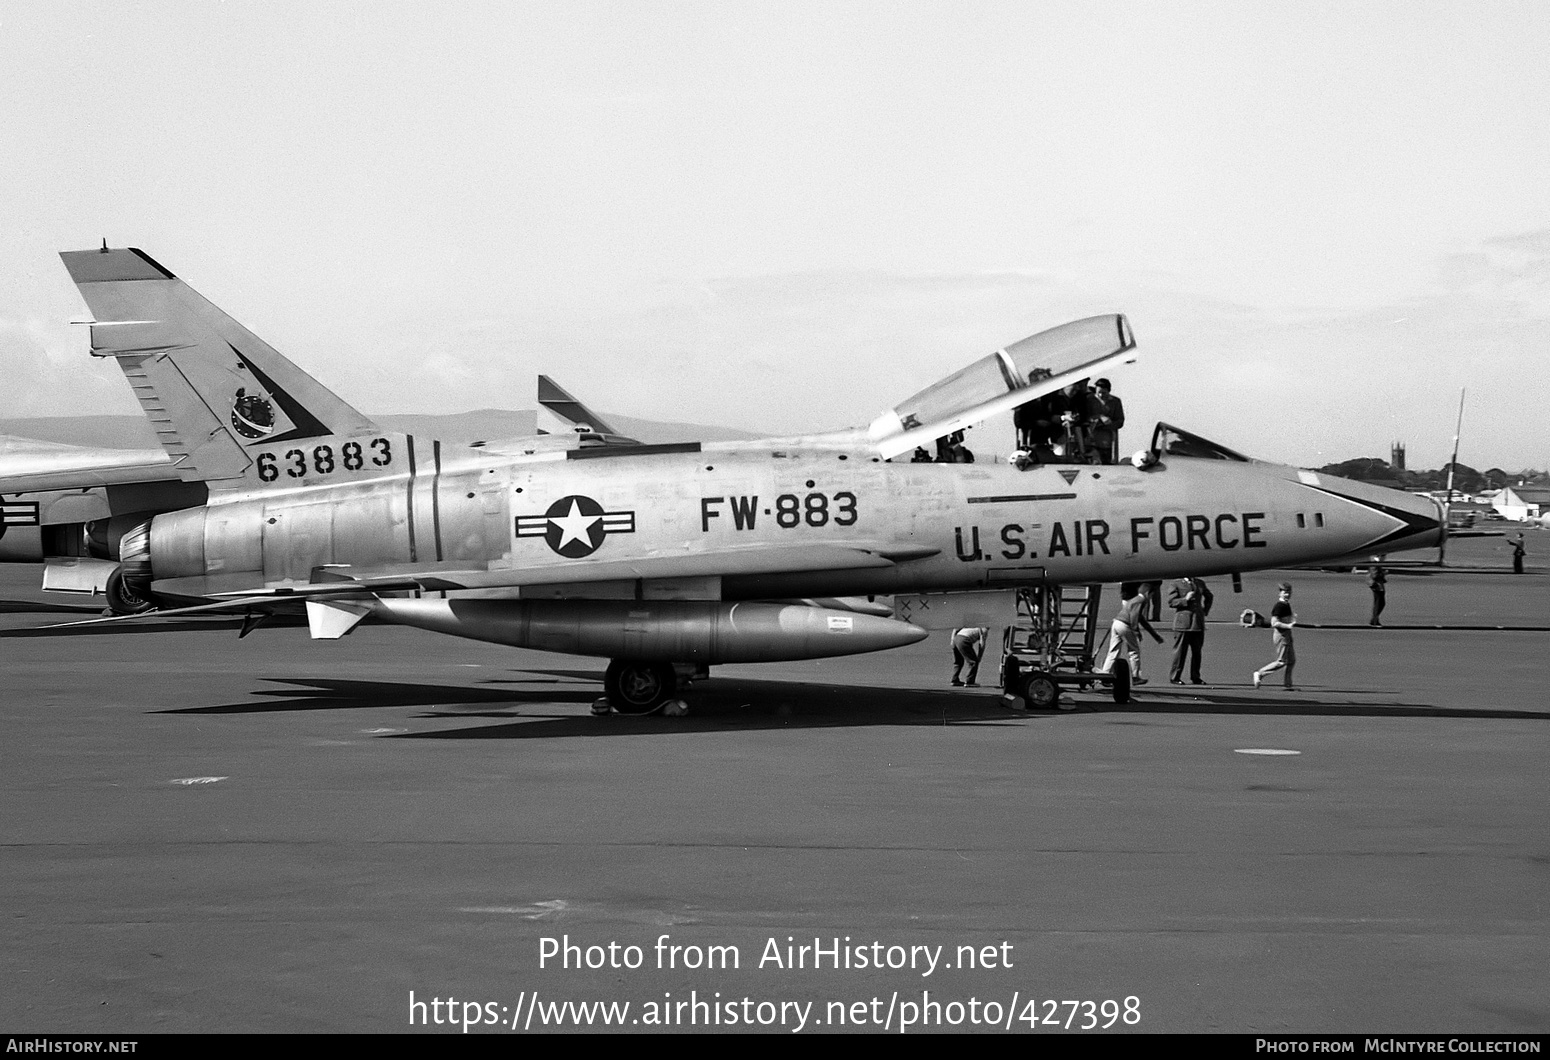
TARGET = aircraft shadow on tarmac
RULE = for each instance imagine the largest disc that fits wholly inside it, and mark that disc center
(743, 704)
(326, 693)
(23, 607)
(1309, 703)
(719, 704)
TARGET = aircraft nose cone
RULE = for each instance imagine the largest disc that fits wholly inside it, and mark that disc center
(1397, 520)
(1426, 523)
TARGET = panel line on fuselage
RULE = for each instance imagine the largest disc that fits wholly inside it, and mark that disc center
(1010, 498)
(436, 496)
(414, 553)
(608, 451)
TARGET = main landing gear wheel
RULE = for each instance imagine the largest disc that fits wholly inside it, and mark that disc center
(1041, 691)
(1121, 681)
(124, 600)
(639, 687)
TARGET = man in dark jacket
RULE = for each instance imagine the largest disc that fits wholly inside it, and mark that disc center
(1105, 416)
(1191, 602)
(1378, 582)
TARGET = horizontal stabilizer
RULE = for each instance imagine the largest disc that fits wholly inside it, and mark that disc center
(330, 620)
(149, 619)
(345, 596)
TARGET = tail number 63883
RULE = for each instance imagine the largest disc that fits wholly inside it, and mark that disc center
(321, 459)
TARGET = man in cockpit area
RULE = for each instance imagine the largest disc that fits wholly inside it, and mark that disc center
(1050, 429)
(1105, 416)
(1032, 418)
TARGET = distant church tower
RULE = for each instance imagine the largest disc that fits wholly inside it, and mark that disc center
(1397, 460)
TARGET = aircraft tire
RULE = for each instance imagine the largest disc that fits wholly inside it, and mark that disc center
(1121, 686)
(1041, 691)
(639, 688)
(122, 599)
(1011, 676)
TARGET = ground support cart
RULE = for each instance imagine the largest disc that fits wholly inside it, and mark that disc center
(1052, 644)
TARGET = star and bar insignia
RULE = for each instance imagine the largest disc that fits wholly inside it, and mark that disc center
(575, 526)
(19, 513)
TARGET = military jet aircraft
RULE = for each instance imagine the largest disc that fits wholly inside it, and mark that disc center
(669, 557)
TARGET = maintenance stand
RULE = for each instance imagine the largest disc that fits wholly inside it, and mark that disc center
(1051, 643)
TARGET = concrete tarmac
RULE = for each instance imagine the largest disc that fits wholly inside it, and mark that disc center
(276, 834)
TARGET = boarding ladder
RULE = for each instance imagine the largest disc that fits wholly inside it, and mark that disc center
(1055, 626)
(1051, 643)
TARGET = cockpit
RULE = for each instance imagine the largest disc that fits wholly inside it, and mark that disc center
(1063, 410)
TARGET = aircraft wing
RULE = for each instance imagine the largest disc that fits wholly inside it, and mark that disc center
(29, 466)
(723, 562)
(1030, 368)
(731, 561)
(336, 587)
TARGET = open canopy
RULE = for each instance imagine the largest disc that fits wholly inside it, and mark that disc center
(1037, 364)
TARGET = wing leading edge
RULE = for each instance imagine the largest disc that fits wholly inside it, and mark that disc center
(725, 562)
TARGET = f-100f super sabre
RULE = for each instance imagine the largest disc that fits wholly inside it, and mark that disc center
(665, 559)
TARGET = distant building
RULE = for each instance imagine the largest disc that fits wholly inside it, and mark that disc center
(1523, 502)
(1397, 459)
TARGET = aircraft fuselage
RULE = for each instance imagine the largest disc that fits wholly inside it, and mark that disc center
(937, 527)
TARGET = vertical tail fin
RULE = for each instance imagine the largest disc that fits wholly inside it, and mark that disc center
(215, 392)
(560, 413)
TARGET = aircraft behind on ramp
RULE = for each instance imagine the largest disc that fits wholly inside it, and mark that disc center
(66, 506)
(668, 557)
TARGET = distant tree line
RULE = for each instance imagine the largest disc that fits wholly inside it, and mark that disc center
(1465, 478)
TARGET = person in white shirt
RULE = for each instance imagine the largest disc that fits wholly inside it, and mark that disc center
(1127, 624)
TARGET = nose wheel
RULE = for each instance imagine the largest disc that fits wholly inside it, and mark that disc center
(639, 688)
(1041, 691)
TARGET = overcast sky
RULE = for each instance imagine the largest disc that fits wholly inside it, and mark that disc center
(1322, 219)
